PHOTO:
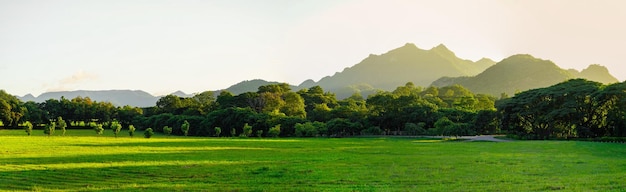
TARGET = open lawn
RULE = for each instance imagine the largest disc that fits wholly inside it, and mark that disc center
(82, 161)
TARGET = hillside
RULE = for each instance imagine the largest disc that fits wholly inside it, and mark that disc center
(405, 64)
(523, 72)
(116, 97)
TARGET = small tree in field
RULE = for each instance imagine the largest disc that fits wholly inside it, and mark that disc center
(274, 131)
(49, 129)
(167, 130)
(131, 130)
(218, 131)
(28, 128)
(148, 133)
(233, 132)
(185, 128)
(97, 128)
(247, 131)
(61, 124)
(116, 127)
(259, 133)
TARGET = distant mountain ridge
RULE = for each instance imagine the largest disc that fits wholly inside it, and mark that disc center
(404, 64)
(135, 98)
(523, 72)
(437, 67)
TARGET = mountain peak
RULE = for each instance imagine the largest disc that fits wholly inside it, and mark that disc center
(443, 50)
(596, 72)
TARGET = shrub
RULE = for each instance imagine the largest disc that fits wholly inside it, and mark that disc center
(218, 131)
(414, 129)
(274, 131)
(259, 133)
(49, 129)
(233, 132)
(148, 133)
(185, 128)
(116, 127)
(61, 124)
(167, 130)
(373, 130)
(247, 131)
(131, 130)
(305, 130)
(28, 128)
(98, 128)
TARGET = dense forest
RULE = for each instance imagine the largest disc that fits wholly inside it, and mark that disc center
(575, 108)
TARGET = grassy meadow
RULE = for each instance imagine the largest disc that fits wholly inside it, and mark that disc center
(83, 161)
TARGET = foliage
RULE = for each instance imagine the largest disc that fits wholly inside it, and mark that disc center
(61, 124)
(247, 131)
(49, 129)
(131, 130)
(185, 128)
(148, 133)
(97, 128)
(218, 131)
(167, 130)
(274, 131)
(28, 128)
(116, 128)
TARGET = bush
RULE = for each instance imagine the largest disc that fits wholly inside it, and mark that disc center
(218, 131)
(167, 130)
(185, 128)
(49, 129)
(305, 130)
(148, 133)
(98, 128)
(247, 131)
(259, 133)
(116, 127)
(374, 130)
(61, 124)
(233, 132)
(131, 130)
(28, 128)
(274, 131)
(414, 129)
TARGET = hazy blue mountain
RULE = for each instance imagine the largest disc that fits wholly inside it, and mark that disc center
(399, 66)
(521, 73)
(135, 98)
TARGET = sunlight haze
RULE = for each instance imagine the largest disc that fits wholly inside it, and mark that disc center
(163, 46)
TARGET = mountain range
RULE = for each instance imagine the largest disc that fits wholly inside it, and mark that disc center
(437, 66)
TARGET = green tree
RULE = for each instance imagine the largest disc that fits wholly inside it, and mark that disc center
(97, 128)
(116, 128)
(131, 130)
(49, 129)
(233, 132)
(185, 128)
(61, 124)
(274, 131)
(148, 133)
(167, 130)
(247, 131)
(218, 131)
(11, 109)
(28, 128)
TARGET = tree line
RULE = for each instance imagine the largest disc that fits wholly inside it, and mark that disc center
(573, 109)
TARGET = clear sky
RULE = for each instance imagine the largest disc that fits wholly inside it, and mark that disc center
(161, 46)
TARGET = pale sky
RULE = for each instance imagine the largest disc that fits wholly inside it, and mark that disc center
(161, 46)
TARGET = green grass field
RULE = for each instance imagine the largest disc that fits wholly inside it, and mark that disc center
(82, 161)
